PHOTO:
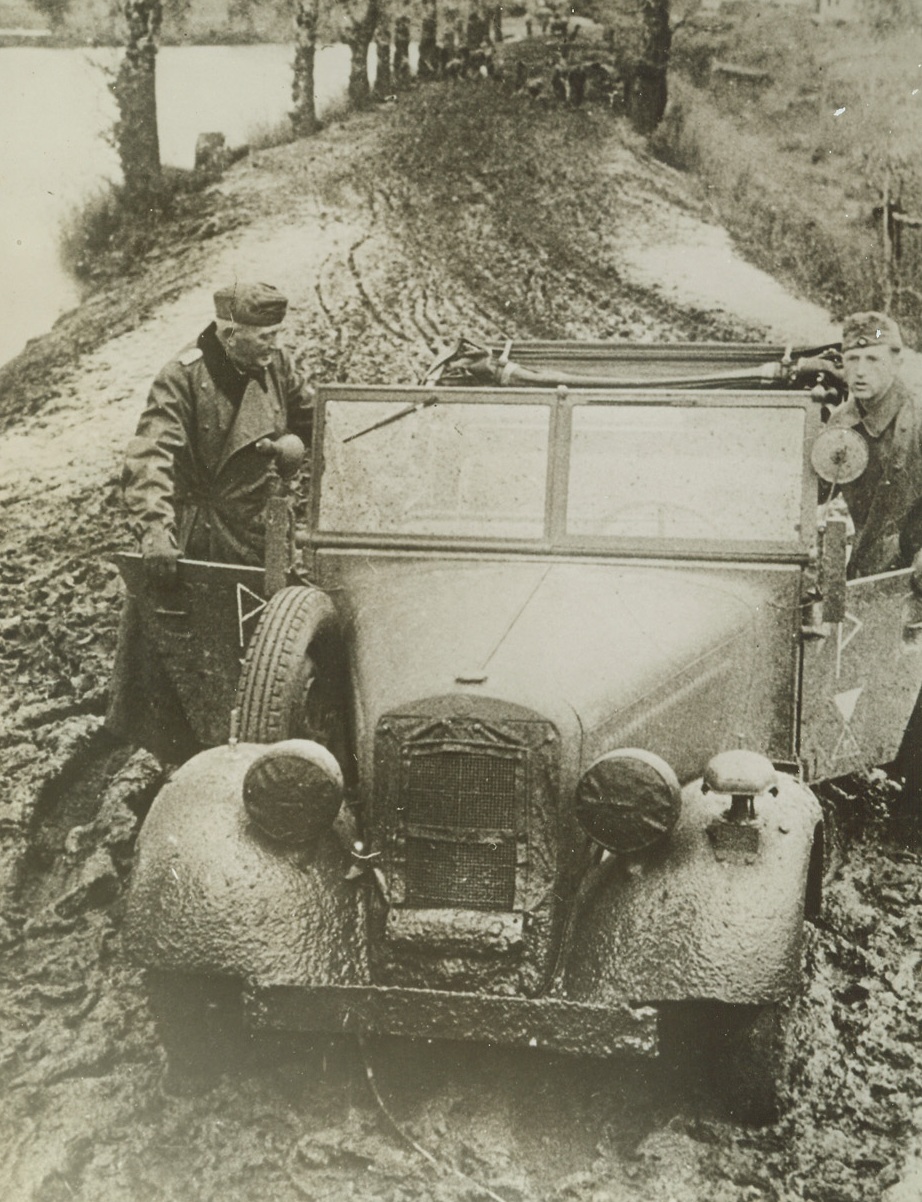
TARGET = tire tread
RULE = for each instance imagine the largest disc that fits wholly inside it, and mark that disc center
(290, 622)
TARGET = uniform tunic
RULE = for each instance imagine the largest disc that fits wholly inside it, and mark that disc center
(880, 498)
(193, 465)
(878, 501)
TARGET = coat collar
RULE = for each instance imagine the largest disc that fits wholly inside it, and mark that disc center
(222, 369)
(884, 412)
(250, 397)
(257, 417)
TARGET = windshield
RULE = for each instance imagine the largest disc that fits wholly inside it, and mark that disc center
(651, 471)
(710, 475)
(460, 470)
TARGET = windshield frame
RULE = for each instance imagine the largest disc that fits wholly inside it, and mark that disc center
(561, 403)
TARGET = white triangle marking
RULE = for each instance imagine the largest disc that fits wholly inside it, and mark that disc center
(846, 702)
(244, 616)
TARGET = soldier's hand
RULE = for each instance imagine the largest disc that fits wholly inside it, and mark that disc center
(288, 451)
(160, 553)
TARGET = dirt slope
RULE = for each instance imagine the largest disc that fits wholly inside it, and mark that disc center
(454, 210)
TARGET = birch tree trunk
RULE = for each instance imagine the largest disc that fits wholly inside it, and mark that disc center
(383, 80)
(428, 42)
(304, 114)
(402, 51)
(359, 30)
(646, 90)
(136, 137)
(478, 28)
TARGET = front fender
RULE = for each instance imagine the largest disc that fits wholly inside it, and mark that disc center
(210, 894)
(698, 917)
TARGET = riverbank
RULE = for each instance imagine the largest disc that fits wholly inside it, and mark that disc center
(457, 209)
(76, 23)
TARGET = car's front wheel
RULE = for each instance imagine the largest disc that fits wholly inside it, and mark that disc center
(752, 1060)
(199, 1020)
(202, 1029)
(742, 1053)
(291, 683)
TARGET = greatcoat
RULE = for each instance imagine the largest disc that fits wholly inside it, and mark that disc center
(193, 468)
(193, 465)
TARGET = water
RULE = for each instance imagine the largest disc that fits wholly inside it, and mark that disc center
(56, 112)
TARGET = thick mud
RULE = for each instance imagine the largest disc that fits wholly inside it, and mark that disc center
(454, 210)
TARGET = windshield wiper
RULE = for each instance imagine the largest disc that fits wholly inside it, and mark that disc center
(394, 417)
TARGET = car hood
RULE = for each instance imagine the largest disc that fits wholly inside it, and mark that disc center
(680, 659)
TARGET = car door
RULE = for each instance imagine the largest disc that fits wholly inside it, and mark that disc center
(861, 678)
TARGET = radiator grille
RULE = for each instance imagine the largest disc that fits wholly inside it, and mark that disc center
(461, 789)
(475, 876)
(466, 801)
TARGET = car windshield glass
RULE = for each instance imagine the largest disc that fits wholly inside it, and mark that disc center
(459, 470)
(696, 473)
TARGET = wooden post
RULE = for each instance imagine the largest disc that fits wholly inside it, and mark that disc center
(887, 247)
(278, 536)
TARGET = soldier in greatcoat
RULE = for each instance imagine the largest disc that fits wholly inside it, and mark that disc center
(196, 479)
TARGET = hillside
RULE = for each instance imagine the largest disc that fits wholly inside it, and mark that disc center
(799, 150)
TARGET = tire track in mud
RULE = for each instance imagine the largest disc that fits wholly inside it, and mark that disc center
(359, 277)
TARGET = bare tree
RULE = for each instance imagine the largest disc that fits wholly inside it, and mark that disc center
(496, 22)
(428, 41)
(401, 70)
(360, 22)
(304, 114)
(646, 88)
(383, 78)
(478, 27)
(134, 87)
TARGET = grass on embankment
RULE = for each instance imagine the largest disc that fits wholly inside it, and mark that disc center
(795, 165)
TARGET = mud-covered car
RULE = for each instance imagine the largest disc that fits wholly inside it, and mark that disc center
(528, 760)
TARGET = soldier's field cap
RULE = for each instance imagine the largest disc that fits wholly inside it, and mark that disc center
(251, 304)
(870, 329)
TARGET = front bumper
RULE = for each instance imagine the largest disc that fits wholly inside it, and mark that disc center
(550, 1023)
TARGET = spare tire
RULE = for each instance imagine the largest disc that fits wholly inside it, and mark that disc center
(293, 683)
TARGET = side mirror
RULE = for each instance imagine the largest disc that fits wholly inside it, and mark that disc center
(839, 455)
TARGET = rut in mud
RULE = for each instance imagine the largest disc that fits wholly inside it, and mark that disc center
(456, 210)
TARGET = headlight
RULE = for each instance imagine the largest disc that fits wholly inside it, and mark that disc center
(628, 799)
(293, 791)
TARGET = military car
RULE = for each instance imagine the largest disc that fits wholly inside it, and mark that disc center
(522, 752)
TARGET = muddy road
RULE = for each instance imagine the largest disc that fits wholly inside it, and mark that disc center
(454, 210)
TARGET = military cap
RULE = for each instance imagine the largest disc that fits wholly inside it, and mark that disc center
(251, 304)
(870, 329)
